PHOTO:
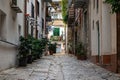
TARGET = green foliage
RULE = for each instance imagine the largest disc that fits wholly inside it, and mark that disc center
(56, 32)
(31, 45)
(65, 19)
(23, 47)
(64, 4)
(115, 5)
(38, 45)
(54, 38)
(52, 47)
(80, 50)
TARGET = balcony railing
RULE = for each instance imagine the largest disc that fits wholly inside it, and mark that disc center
(47, 0)
(81, 3)
(71, 13)
(48, 18)
(15, 7)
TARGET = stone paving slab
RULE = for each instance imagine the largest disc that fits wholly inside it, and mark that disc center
(59, 67)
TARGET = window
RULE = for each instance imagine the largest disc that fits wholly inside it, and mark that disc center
(97, 5)
(42, 25)
(55, 16)
(93, 24)
(19, 30)
(97, 24)
(2, 24)
(56, 32)
(37, 8)
(14, 2)
(32, 10)
(93, 4)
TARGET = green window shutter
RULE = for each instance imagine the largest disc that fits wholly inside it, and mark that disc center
(56, 32)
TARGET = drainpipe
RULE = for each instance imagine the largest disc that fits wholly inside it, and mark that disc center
(36, 19)
(44, 19)
(25, 11)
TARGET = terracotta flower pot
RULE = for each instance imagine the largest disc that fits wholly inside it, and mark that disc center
(51, 52)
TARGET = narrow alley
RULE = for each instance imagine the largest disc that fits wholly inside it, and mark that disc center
(59, 67)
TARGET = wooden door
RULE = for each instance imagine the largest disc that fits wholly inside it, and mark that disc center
(118, 42)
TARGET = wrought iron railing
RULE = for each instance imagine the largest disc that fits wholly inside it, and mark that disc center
(80, 3)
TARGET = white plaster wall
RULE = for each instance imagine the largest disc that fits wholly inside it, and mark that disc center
(94, 37)
(59, 15)
(8, 52)
(56, 0)
(106, 29)
(107, 26)
(113, 34)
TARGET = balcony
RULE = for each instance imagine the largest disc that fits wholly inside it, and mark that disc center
(48, 18)
(81, 3)
(47, 0)
(15, 7)
(71, 15)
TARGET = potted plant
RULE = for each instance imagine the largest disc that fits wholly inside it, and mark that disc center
(52, 48)
(30, 55)
(23, 51)
(37, 48)
(34, 48)
(70, 47)
(80, 51)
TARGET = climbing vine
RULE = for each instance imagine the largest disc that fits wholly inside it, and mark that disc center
(64, 4)
(115, 5)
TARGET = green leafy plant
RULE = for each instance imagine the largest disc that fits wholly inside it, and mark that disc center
(52, 47)
(65, 18)
(23, 47)
(115, 5)
(64, 4)
(80, 50)
(54, 38)
(38, 46)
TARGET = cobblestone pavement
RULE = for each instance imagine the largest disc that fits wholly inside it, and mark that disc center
(59, 67)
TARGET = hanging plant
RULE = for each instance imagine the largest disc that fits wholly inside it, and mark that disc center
(64, 4)
(115, 5)
(65, 18)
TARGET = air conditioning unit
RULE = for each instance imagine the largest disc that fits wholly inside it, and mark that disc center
(15, 7)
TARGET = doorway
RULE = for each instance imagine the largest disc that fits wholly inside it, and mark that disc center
(118, 42)
(98, 41)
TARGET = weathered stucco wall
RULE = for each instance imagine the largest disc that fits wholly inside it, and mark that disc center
(10, 32)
